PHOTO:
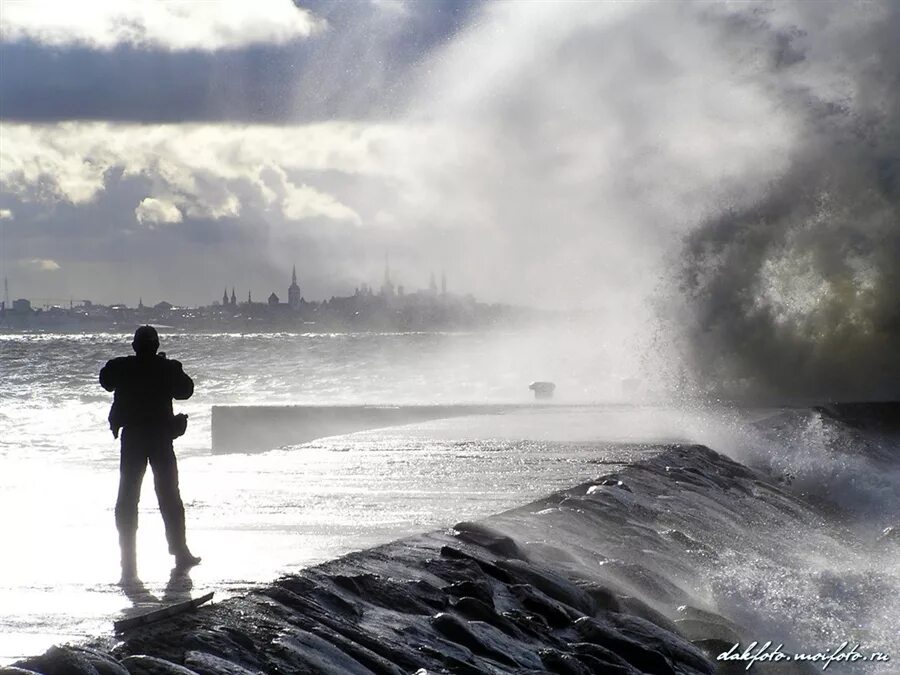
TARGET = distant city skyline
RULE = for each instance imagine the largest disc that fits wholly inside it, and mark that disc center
(260, 294)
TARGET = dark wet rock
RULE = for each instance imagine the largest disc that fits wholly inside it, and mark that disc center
(488, 538)
(549, 583)
(556, 614)
(315, 619)
(697, 629)
(641, 657)
(207, 664)
(152, 665)
(223, 643)
(474, 588)
(304, 652)
(549, 554)
(103, 663)
(324, 596)
(60, 661)
(411, 597)
(670, 645)
(564, 664)
(605, 600)
(476, 610)
(463, 633)
(15, 670)
(615, 482)
(531, 624)
(461, 665)
(371, 659)
(486, 566)
(455, 570)
(611, 661)
(639, 608)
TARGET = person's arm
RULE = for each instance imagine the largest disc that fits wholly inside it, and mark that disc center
(109, 375)
(182, 385)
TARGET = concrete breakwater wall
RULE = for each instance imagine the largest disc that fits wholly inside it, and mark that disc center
(256, 428)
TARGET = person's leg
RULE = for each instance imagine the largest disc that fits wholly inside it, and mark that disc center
(165, 480)
(132, 465)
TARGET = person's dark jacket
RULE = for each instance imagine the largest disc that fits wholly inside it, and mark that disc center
(144, 387)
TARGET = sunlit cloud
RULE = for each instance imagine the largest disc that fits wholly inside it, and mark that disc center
(199, 171)
(152, 211)
(6, 214)
(172, 25)
(40, 265)
(306, 202)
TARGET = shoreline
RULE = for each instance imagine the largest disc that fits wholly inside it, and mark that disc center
(551, 586)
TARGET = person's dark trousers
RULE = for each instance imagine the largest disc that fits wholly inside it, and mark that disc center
(141, 445)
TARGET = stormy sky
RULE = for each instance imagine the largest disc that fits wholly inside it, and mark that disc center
(558, 154)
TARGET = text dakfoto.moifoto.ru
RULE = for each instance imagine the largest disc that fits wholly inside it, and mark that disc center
(766, 653)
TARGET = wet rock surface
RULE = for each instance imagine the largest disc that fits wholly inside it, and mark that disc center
(551, 587)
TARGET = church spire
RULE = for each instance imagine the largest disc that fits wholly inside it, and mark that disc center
(294, 291)
(387, 288)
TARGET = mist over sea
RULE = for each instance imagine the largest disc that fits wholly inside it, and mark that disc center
(52, 401)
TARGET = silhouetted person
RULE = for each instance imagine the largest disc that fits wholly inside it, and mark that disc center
(144, 386)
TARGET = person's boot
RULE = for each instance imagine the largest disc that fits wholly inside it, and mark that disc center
(128, 549)
(184, 558)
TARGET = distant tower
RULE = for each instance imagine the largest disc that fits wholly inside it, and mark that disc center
(294, 291)
(140, 303)
(225, 298)
(387, 288)
(6, 292)
(233, 298)
(432, 285)
(249, 298)
(443, 283)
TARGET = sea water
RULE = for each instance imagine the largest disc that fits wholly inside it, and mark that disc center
(253, 516)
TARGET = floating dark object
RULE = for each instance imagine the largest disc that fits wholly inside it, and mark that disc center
(542, 389)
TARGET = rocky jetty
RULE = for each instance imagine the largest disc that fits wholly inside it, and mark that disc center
(601, 578)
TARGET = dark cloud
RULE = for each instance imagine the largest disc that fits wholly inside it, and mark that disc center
(359, 67)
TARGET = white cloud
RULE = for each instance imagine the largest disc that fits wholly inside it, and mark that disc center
(153, 211)
(173, 25)
(6, 214)
(306, 202)
(203, 171)
(40, 264)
